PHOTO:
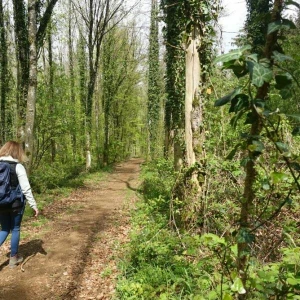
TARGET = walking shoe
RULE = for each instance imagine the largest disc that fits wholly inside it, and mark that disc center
(15, 260)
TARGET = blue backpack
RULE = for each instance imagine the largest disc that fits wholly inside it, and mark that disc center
(11, 197)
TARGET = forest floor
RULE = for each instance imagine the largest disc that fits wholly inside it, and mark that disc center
(74, 254)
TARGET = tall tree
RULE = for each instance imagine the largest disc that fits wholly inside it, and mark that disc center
(119, 72)
(256, 128)
(153, 83)
(32, 86)
(188, 36)
(3, 74)
(175, 80)
(30, 35)
(199, 30)
(71, 70)
(256, 24)
(96, 17)
(22, 53)
(51, 83)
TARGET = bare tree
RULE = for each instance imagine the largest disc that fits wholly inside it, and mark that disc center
(98, 18)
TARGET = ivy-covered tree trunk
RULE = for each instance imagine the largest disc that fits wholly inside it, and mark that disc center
(153, 84)
(22, 53)
(3, 75)
(256, 23)
(175, 81)
(256, 128)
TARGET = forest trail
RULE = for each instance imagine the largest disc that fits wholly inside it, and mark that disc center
(72, 256)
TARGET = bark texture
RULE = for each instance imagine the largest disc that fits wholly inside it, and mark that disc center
(31, 99)
(192, 122)
(3, 74)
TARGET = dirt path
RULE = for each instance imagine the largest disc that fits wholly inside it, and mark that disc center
(72, 256)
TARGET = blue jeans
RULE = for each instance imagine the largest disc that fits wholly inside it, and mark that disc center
(11, 222)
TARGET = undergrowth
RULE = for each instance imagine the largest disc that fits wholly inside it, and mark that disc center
(163, 262)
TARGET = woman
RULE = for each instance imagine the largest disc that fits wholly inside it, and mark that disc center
(10, 220)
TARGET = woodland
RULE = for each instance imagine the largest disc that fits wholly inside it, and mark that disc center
(218, 211)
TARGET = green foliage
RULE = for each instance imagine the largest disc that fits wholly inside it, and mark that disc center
(121, 97)
(271, 182)
(158, 180)
(56, 175)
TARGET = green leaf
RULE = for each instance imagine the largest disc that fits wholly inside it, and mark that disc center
(227, 297)
(232, 55)
(239, 68)
(260, 74)
(234, 249)
(283, 80)
(250, 118)
(265, 62)
(278, 177)
(233, 151)
(289, 24)
(282, 147)
(295, 166)
(238, 286)
(239, 102)
(281, 57)
(234, 120)
(212, 239)
(256, 146)
(286, 92)
(293, 281)
(296, 131)
(272, 27)
(244, 236)
(265, 185)
(278, 25)
(253, 57)
(295, 117)
(224, 100)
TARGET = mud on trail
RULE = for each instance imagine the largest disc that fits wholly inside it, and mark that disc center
(73, 256)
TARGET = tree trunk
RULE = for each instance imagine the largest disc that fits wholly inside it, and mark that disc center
(192, 93)
(26, 49)
(192, 125)
(31, 100)
(106, 137)
(3, 75)
(256, 127)
(178, 151)
(51, 88)
(153, 84)
(88, 161)
(72, 81)
(22, 52)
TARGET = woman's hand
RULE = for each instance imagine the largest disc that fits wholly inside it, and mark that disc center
(36, 212)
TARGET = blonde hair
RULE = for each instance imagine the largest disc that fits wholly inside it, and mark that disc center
(13, 149)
